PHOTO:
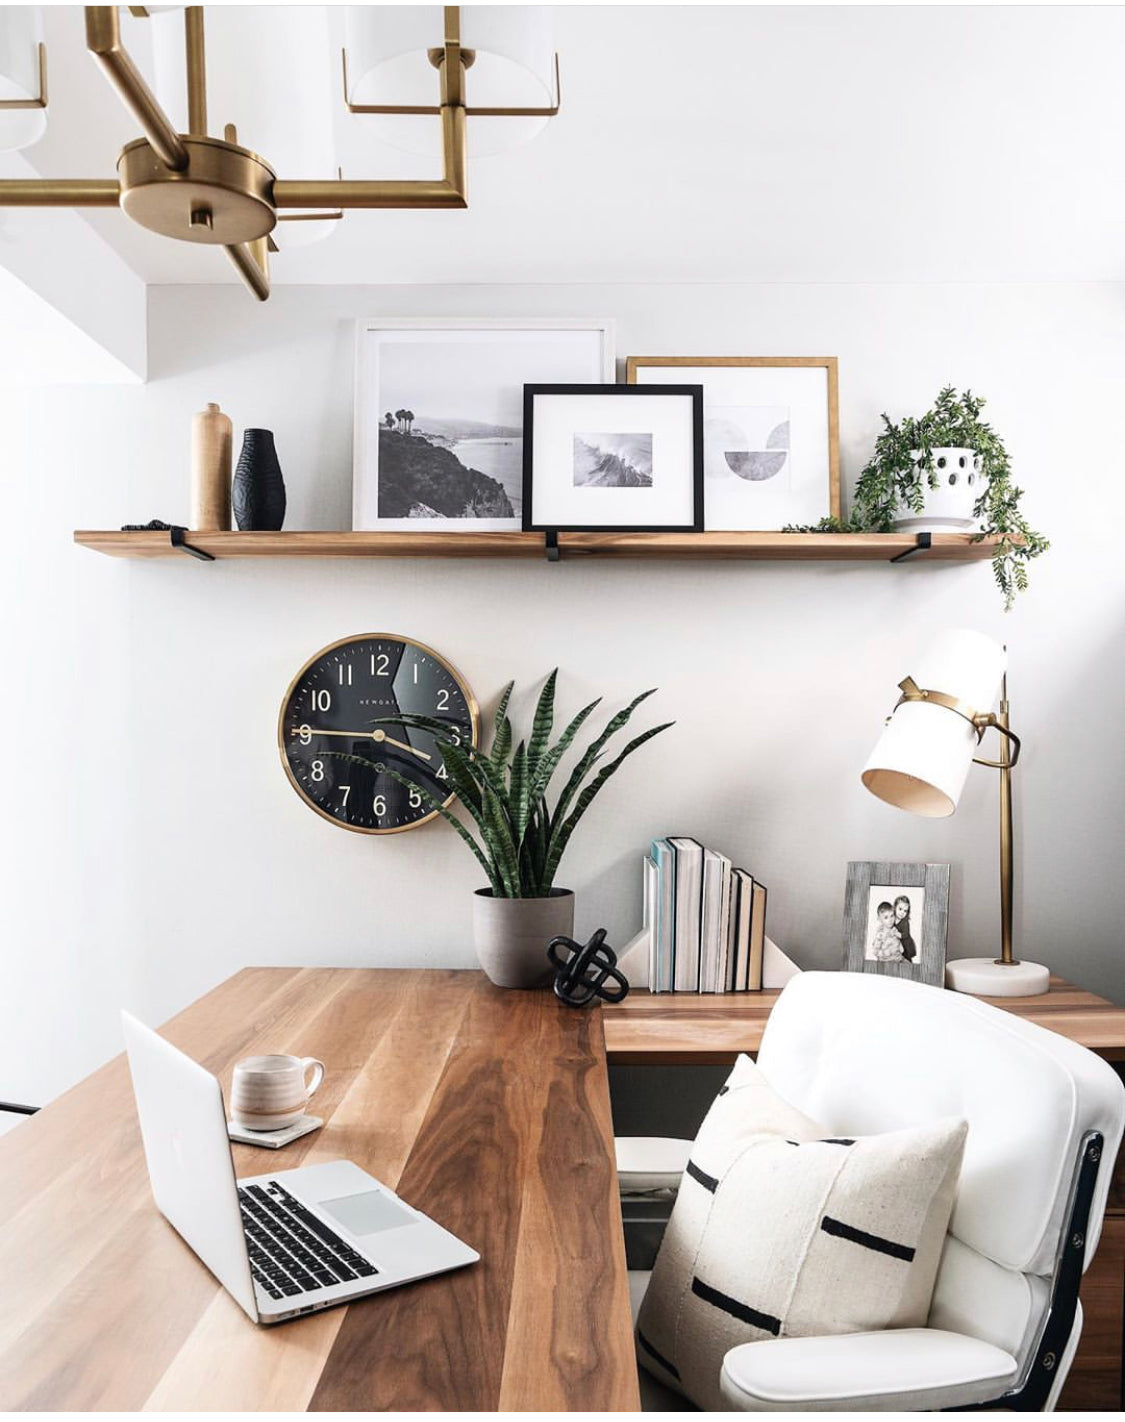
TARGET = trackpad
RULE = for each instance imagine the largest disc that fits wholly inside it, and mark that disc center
(369, 1213)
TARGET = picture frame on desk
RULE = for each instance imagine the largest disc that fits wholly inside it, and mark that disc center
(896, 919)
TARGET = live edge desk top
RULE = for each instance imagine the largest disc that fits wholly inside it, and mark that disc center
(487, 1109)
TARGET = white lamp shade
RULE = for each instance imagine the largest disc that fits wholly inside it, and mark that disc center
(21, 33)
(923, 756)
(271, 73)
(387, 57)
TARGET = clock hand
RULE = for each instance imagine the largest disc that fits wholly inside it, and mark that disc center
(390, 740)
(376, 735)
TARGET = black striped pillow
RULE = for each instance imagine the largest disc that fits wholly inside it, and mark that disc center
(781, 1229)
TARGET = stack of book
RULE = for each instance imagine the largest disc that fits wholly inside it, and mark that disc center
(706, 920)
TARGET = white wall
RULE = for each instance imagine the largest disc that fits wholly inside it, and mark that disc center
(153, 845)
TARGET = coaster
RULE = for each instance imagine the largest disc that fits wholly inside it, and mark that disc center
(274, 1140)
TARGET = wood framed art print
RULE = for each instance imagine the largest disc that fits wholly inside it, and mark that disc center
(602, 458)
(771, 444)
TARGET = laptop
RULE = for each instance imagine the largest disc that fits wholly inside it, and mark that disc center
(284, 1244)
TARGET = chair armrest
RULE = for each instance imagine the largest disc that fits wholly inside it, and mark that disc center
(894, 1370)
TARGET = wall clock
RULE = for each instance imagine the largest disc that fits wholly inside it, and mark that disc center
(335, 704)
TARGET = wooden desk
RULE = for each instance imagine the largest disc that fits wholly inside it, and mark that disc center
(489, 1110)
(701, 1028)
(686, 1028)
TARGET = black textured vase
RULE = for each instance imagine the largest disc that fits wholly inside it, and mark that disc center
(258, 492)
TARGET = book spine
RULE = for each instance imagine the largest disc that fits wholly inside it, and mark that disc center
(649, 909)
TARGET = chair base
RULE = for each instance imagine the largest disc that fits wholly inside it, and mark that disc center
(985, 977)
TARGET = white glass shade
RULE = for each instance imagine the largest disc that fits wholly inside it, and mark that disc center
(21, 33)
(270, 72)
(387, 57)
(923, 756)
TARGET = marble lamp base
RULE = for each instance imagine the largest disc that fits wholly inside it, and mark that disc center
(985, 977)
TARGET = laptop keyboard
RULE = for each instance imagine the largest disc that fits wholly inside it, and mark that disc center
(291, 1251)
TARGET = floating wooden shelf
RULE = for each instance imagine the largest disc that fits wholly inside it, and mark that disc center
(818, 547)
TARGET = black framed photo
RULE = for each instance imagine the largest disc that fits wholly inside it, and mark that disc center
(896, 918)
(600, 458)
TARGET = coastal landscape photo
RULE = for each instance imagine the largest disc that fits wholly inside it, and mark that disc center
(437, 467)
(444, 415)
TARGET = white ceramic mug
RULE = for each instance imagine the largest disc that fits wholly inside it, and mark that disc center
(270, 1092)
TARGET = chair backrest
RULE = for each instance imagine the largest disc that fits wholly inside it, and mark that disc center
(862, 1053)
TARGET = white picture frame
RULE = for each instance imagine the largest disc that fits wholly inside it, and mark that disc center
(470, 373)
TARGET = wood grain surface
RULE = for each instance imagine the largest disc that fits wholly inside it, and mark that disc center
(710, 1028)
(803, 547)
(489, 1110)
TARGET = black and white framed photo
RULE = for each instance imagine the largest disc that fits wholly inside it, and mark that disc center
(770, 435)
(604, 457)
(439, 415)
(896, 919)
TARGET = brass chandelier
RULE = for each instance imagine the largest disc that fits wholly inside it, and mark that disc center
(199, 188)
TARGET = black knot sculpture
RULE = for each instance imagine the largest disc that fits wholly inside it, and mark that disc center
(584, 971)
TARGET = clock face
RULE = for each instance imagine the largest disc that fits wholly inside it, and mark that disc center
(337, 708)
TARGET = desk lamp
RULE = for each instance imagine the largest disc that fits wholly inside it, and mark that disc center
(921, 763)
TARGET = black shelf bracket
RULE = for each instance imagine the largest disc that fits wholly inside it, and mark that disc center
(551, 541)
(176, 534)
(924, 544)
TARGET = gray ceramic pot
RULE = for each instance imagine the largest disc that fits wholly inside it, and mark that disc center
(511, 935)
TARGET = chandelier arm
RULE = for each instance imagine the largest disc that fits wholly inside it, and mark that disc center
(358, 193)
(196, 60)
(103, 40)
(252, 263)
(449, 192)
(59, 192)
(41, 99)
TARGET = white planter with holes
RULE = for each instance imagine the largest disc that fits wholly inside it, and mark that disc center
(948, 508)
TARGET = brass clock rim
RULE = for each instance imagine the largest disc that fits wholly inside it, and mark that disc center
(470, 699)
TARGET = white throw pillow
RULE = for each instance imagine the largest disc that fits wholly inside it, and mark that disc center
(783, 1231)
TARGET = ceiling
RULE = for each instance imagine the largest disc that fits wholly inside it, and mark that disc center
(728, 144)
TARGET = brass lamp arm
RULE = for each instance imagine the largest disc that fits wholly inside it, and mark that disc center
(980, 721)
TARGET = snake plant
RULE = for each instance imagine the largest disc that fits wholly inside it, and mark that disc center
(520, 837)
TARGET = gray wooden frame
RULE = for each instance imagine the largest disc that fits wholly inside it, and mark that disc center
(934, 879)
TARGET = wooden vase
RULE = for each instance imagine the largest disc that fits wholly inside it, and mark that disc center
(211, 438)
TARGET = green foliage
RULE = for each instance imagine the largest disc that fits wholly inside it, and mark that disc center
(520, 838)
(903, 464)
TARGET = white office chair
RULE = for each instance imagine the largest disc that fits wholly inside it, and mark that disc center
(862, 1054)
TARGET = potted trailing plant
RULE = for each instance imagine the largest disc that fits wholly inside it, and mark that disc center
(520, 836)
(946, 469)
